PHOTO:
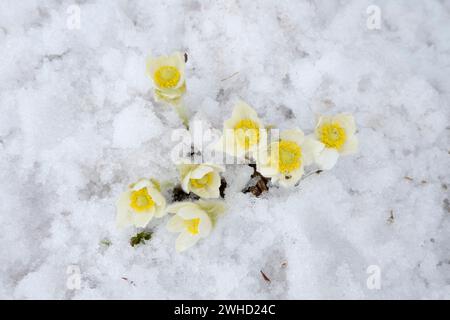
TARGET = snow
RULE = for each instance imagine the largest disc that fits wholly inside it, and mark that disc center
(78, 124)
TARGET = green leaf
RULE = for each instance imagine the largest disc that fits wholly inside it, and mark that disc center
(140, 238)
(105, 242)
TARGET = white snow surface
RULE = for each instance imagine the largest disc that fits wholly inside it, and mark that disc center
(78, 123)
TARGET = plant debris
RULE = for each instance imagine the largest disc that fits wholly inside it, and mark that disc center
(266, 278)
(391, 218)
(179, 195)
(129, 281)
(140, 238)
(105, 242)
(258, 183)
(223, 186)
(229, 77)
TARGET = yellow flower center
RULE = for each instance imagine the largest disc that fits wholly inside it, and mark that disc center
(192, 225)
(203, 181)
(289, 156)
(141, 201)
(332, 135)
(247, 133)
(167, 77)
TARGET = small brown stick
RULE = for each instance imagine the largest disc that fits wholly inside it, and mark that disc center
(266, 278)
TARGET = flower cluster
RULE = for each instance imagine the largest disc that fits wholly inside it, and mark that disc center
(279, 157)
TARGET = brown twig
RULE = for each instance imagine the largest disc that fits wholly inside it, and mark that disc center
(266, 278)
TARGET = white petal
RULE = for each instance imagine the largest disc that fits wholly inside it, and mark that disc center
(175, 224)
(185, 240)
(327, 158)
(350, 146)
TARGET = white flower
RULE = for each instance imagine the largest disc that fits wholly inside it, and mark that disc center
(168, 75)
(193, 220)
(139, 204)
(201, 179)
(283, 161)
(242, 132)
(337, 133)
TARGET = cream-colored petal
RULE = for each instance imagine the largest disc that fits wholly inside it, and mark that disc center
(201, 171)
(201, 192)
(141, 183)
(175, 224)
(190, 212)
(211, 190)
(327, 158)
(321, 120)
(176, 60)
(186, 182)
(214, 185)
(123, 215)
(311, 148)
(350, 146)
(170, 93)
(295, 135)
(204, 227)
(292, 179)
(160, 211)
(141, 219)
(157, 197)
(185, 240)
(347, 121)
(177, 206)
(212, 208)
(243, 111)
